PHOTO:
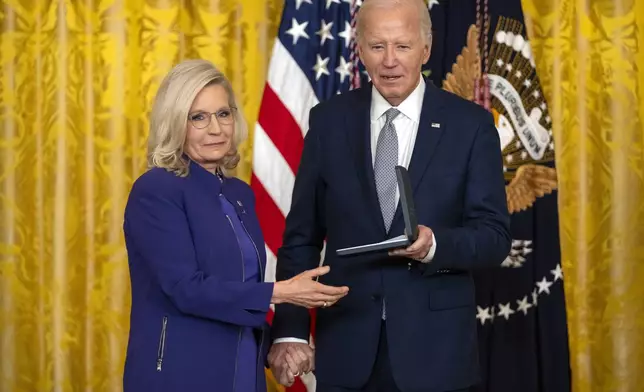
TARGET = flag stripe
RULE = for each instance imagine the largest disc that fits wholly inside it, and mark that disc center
(299, 386)
(281, 128)
(271, 262)
(292, 86)
(270, 217)
(274, 173)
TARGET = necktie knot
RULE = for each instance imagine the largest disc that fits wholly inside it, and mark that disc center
(391, 114)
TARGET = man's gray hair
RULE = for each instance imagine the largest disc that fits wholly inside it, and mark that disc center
(423, 15)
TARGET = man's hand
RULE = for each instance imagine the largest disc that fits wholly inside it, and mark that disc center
(289, 360)
(420, 248)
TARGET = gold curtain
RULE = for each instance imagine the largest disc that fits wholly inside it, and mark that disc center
(590, 58)
(76, 82)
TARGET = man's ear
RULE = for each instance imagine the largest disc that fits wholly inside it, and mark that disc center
(428, 50)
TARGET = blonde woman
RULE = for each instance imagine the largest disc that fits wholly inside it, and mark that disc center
(195, 248)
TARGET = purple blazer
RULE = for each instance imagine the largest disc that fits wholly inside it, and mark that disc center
(190, 304)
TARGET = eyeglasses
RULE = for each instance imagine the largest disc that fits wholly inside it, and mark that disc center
(201, 120)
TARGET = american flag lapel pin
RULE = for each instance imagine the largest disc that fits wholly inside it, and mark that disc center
(436, 125)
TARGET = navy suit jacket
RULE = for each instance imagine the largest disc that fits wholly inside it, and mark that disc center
(457, 179)
(188, 300)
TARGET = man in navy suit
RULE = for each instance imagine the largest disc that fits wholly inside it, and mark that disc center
(408, 322)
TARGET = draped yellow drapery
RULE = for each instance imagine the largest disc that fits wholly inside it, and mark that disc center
(590, 58)
(76, 81)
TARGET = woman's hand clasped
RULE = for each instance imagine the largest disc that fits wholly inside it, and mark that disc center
(303, 290)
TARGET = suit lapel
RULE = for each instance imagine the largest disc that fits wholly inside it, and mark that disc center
(359, 138)
(430, 130)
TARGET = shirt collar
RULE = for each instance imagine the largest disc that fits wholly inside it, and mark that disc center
(410, 107)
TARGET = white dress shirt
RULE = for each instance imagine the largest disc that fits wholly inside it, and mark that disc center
(406, 124)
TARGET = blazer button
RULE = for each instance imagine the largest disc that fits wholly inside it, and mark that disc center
(376, 297)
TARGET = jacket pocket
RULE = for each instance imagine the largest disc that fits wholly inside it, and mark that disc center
(161, 348)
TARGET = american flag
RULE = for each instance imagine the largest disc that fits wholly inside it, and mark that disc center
(313, 59)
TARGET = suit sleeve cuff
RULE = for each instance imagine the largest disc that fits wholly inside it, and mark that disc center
(432, 251)
(289, 340)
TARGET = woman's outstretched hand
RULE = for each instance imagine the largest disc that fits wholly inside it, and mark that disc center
(304, 290)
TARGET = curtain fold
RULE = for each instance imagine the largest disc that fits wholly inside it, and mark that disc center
(590, 57)
(77, 79)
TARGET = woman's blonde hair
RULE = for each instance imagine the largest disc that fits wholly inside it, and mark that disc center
(169, 117)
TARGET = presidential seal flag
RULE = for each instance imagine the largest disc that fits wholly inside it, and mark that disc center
(482, 53)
